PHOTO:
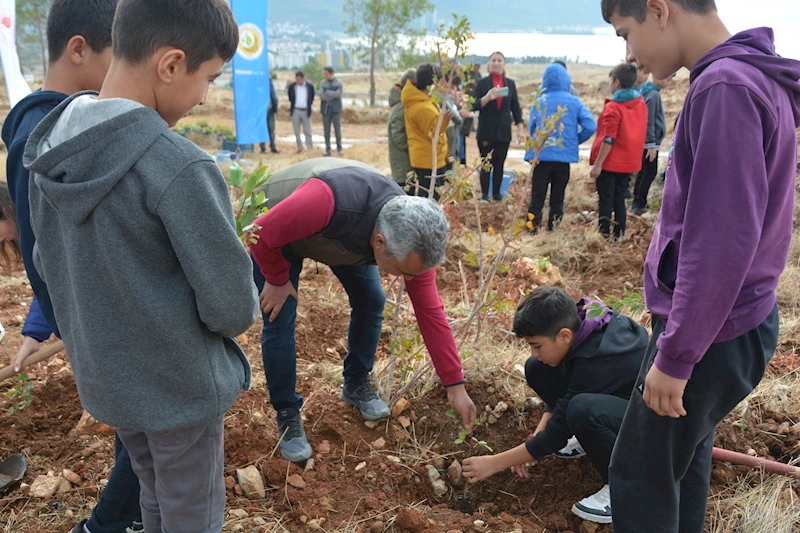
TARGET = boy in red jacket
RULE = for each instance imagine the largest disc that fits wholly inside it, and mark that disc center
(618, 147)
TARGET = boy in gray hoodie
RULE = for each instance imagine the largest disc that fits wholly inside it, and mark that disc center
(135, 237)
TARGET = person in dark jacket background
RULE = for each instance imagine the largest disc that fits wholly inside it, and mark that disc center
(398, 140)
(554, 160)
(497, 100)
(656, 131)
(583, 365)
(271, 112)
(301, 98)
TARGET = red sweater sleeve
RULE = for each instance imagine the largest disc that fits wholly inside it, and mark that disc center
(435, 328)
(307, 211)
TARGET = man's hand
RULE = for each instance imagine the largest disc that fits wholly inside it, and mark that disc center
(521, 133)
(477, 468)
(664, 394)
(652, 154)
(29, 346)
(459, 400)
(274, 296)
(447, 113)
(464, 112)
(595, 173)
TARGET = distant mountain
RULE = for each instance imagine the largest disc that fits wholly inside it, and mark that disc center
(484, 16)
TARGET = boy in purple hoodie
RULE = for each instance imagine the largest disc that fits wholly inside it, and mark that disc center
(720, 245)
(584, 361)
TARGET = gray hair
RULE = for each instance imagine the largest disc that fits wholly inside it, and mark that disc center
(410, 74)
(413, 224)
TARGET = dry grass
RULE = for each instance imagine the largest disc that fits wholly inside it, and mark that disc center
(773, 395)
(760, 504)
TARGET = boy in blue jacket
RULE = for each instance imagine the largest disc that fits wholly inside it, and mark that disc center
(554, 161)
(79, 42)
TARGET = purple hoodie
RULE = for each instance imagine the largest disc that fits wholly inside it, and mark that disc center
(589, 325)
(725, 226)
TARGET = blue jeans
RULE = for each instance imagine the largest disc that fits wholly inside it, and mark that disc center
(118, 507)
(278, 348)
(462, 149)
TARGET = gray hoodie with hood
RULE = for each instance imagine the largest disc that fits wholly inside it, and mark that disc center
(136, 239)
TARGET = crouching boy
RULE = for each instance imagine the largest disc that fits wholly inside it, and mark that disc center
(584, 369)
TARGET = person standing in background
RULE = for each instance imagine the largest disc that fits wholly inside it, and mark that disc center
(271, 112)
(496, 98)
(301, 97)
(398, 140)
(330, 94)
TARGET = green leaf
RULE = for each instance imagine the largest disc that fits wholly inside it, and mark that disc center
(451, 413)
(458, 441)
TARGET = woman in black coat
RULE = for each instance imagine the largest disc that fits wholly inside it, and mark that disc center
(497, 100)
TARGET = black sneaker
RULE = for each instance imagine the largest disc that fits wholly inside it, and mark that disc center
(485, 199)
(136, 527)
(79, 527)
(497, 198)
(361, 394)
(275, 151)
(294, 444)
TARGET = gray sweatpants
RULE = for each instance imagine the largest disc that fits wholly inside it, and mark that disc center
(336, 119)
(300, 116)
(181, 477)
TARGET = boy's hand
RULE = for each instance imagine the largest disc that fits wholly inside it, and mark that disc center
(595, 172)
(459, 400)
(29, 346)
(522, 470)
(478, 468)
(664, 394)
(652, 154)
(274, 296)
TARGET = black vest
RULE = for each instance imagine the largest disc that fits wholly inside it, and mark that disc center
(359, 193)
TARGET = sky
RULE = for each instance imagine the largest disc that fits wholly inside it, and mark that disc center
(783, 16)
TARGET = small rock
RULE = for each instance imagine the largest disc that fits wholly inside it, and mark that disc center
(376, 527)
(588, 527)
(237, 527)
(309, 465)
(433, 473)
(399, 434)
(258, 521)
(251, 482)
(371, 475)
(304, 519)
(71, 476)
(490, 390)
(479, 525)
(88, 425)
(413, 417)
(324, 447)
(751, 452)
(239, 513)
(259, 418)
(393, 458)
(628, 286)
(361, 466)
(379, 444)
(230, 482)
(296, 481)
(499, 409)
(454, 473)
(492, 419)
(69, 513)
(558, 522)
(784, 428)
(315, 524)
(238, 490)
(44, 486)
(404, 421)
(439, 463)
(63, 485)
(439, 488)
(411, 520)
(401, 405)
(372, 503)
(372, 424)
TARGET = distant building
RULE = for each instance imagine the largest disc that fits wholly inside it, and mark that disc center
(291, 53)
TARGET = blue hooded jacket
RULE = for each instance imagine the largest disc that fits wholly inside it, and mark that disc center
(578, 123)
(20, 122)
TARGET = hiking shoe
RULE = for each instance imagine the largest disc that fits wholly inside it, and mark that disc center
(497, 198)
(294, 444)
(274, 151)
(573, 450)
(136, 527)
(595, 508)
(327, 153)
(485, 199)
(361, 394)
(638, 211)
(79, 527)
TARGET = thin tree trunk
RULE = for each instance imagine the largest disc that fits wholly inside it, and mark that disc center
(41, 43)
(372, 58)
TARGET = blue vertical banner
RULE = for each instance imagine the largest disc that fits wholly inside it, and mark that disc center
(251, 72)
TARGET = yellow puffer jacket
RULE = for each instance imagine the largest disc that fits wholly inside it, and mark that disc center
(421, 119)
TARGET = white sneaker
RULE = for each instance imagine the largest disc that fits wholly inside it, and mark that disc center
(595, 508)
(573, 450)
